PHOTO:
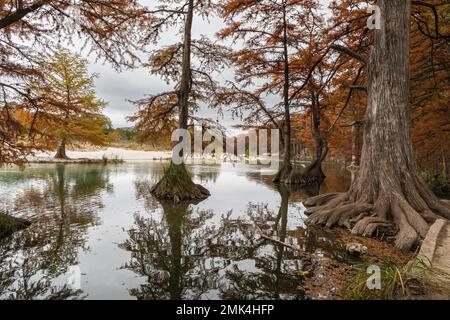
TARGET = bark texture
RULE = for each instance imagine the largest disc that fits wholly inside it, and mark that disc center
(389, 189)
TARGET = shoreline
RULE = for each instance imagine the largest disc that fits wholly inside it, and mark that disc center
(115, 155)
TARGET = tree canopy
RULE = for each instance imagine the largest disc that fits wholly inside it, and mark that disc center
(70, 111)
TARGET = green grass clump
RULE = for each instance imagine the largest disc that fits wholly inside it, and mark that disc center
(392, 282)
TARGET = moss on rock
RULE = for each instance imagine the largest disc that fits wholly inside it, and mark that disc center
(177, 185)
(9, 225)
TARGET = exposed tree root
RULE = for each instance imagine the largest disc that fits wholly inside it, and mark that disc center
(393, 214)
(313, 173)
(320, 199)
(367, 226)
(176, 185)
(59, 156)
(340, 215)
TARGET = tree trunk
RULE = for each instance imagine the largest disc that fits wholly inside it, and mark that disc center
(312, 174)
(355, 148)
(61, 152)
(176, 183)
(286, 167)
(185, 84)
(444, 166)
(389, 189)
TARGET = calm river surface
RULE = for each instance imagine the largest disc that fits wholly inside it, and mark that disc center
(98, 234)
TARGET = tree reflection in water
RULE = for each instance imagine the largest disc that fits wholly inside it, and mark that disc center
(185, 253)
(34, 262)
(169, 252)
(279, 267)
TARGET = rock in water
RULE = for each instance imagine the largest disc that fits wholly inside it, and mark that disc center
(9, 224)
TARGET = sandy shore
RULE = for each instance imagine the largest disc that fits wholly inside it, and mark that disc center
(97, 155)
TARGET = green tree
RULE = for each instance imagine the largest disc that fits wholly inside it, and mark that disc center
(73, 113)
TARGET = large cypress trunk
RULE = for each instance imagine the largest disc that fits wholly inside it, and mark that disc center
(176, 183)
(389, 189)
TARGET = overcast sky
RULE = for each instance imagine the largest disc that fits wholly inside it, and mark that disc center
(116, 88)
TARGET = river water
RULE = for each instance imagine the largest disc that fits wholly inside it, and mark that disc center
(97, 233)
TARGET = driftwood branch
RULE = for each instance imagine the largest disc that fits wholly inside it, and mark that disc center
(280, 243)
(264, 236)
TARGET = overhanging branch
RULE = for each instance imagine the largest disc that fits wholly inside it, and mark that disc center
(349, 52)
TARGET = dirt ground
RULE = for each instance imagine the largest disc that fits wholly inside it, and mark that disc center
(330, 278)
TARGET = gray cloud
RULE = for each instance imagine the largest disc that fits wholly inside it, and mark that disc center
(116, 88)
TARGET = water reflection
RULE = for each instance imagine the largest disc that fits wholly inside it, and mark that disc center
(276, 266)
(281, 252)
(182, 254)
(169, 249)
(26, 278)
(247, 241)
(62, 204)
(337, 180)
